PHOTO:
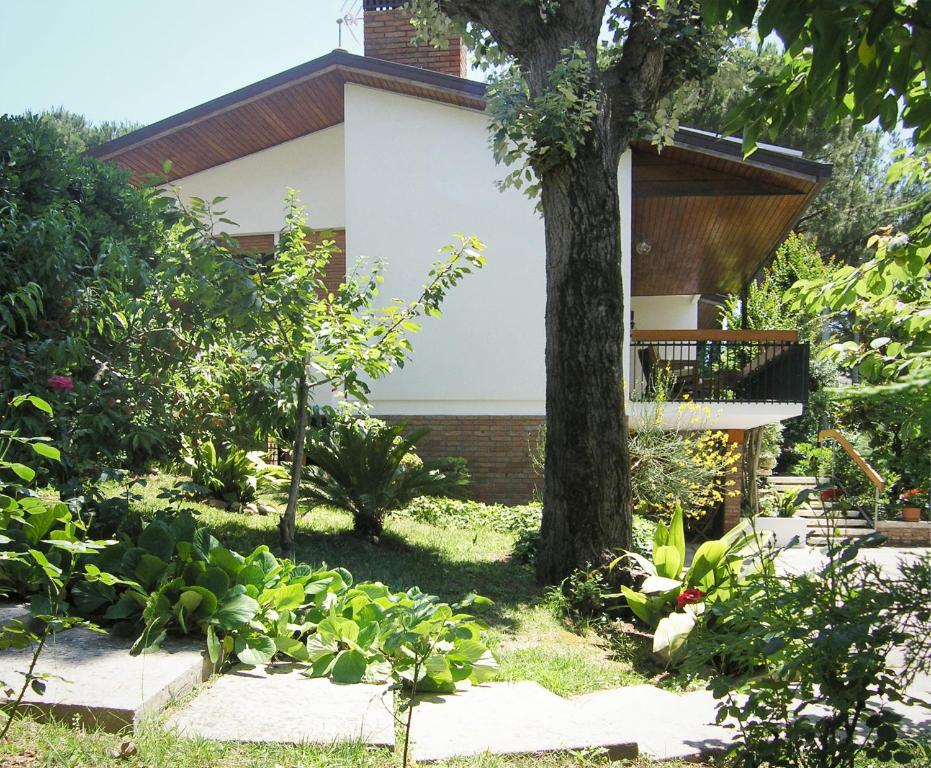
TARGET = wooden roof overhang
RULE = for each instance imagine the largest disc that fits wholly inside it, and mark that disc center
(710, 218)
(283, 107)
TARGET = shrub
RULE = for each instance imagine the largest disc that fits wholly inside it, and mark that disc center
(361, 469)
(474, 514)
(42, 544)
(671, 604)
(230, 473)
(176, 578)
(813, 657)
(78, 257)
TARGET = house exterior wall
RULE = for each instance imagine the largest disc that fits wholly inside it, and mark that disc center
(402, 176)
(665, 312)
(255, 186)
(418, 172)
(496, 448)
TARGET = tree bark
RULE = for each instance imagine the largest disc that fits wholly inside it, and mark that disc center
(288, 523)
(752, 446)
(586, 500)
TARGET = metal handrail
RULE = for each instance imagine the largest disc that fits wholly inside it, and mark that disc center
(871, 474)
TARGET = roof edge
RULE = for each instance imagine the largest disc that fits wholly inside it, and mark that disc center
(771, 159)
(337, 59)
(686, 138)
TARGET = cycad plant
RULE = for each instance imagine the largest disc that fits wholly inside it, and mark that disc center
(361, 468)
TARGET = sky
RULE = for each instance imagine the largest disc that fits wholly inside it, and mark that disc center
(142, 60)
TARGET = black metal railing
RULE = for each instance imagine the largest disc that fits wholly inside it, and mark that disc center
(720, 370)
(381, 5)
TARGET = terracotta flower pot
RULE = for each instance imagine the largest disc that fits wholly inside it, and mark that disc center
(911, 514)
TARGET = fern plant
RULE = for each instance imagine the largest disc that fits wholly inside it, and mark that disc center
(364, 470)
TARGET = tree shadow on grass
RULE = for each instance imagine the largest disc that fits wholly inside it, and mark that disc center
(401, 564)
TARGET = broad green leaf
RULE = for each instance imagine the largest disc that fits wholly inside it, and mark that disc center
(668, 561)
(671, 634)
(24, 472)
(46, 450)
(349, 667)
(236, 610)
(213, 645)
(254, 650)
(285, 598)
(292, 647)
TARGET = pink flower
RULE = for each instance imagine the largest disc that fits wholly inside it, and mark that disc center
(61, 383)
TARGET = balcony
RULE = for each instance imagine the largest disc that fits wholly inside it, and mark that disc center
(718, 366)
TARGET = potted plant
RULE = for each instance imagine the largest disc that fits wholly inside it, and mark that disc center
(911, 513)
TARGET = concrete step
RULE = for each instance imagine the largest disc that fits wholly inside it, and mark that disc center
(819, 513)
(821, 540)
(855, 522)
(801, 482)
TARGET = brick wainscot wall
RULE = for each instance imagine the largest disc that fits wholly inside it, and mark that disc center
(497, 449)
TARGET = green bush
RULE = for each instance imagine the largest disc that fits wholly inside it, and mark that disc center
(78, 253)
(362, 469)
(809, 660)
(464, 513)
(177, 579)
(230, 473)
(672, 604)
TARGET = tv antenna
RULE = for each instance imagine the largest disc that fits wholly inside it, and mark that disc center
(351, 10)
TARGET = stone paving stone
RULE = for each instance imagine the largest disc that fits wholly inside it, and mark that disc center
(666, 725)
(279, 704)
(93, 677)
(510, 718)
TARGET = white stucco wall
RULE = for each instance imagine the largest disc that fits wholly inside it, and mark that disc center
(418, 172)
(665, 312)
(256, 185)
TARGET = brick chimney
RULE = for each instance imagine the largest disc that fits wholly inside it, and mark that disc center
(388, 32)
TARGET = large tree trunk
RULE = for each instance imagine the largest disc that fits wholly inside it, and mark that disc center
(586, 503)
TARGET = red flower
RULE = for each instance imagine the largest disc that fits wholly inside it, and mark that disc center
(61, 383)
(907, 496)
(687, 597)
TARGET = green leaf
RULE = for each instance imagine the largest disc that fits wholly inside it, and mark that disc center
(214, 579)
(255, 650)
(349, 667)
(213, 645)
(24, 472)
(292, 647)
(668, 561)
(156, 539)
(283, 598)
(235, 610)
(46, 450)
(39, 403)
(671, 635)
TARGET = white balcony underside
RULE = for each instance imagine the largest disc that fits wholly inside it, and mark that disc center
(701, 416)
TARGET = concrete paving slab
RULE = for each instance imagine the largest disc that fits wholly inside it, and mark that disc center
(279, 704)
(666, 725)
(91, 676)
(508, 719)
